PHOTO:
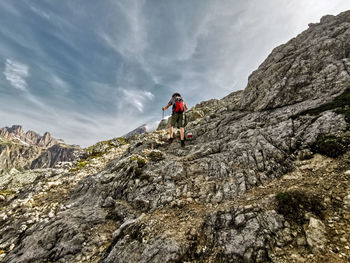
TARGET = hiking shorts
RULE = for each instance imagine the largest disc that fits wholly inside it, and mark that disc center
(177, 120)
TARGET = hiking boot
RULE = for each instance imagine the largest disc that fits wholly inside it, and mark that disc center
(182, 143)
(171, 140)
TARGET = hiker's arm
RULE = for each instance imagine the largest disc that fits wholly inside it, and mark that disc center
(166, 107)
(186, 107)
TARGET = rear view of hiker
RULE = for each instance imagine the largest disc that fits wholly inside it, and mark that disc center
(179, 107)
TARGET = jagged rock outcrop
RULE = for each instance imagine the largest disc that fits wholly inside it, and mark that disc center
(13, 155)
(312, 68)
(25, 150)
(54, 155)
(139, 130)
(249, 187)
(16, 133)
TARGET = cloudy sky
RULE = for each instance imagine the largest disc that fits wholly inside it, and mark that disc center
(89, 70)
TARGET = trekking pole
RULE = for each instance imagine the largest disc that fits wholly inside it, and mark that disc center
(163, 115)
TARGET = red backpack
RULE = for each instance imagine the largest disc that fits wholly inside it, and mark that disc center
(178, 105)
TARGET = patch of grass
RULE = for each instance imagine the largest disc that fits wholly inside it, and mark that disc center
(330, 145)
(294, 204)
(341, 103)
(141, 161)
(79, 166)
(5, 143)
(100, 148)
(6, 193)
(122, 141)
(95, 155)
(156, 156)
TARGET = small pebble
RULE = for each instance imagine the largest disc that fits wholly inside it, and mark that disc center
(344, 240)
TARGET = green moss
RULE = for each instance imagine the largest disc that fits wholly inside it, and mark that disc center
(122, 141)
(99, 149)
(122, 164)
(6, 193)
(5, 143)
(95, 155)
(330, 145)
(79, 166)
(341, 103)
(293, 205)
(141, 161)
(156, 156)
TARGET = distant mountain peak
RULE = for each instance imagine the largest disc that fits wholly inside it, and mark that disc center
(30, 150)
(139, 130)
(16, 133)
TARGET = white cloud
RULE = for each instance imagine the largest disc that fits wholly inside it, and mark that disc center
(40, 12)
(60, 84)
(16, 73)
(132, 40)
(152, 126)
(137, 98)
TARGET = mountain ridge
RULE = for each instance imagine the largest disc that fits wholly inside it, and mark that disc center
(28, 150)
(30, 137)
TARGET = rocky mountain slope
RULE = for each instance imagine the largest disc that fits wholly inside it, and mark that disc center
(28, 150)
(266, 177)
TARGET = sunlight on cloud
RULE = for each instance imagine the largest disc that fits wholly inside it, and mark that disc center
(137, 98)
(134, 37)
(40, 12)
(60, 84)
(16, 73)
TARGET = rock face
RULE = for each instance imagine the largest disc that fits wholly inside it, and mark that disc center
(24, 150)
(307, 68)
(54, 155)
(316, 235)
(215, 200)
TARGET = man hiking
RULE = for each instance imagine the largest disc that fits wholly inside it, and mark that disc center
(179, 107)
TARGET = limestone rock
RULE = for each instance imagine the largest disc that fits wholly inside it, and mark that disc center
(347, 202)
(315, 235)
(303, 69)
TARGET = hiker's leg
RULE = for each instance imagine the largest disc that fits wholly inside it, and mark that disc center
(182, 133)
(171, 131)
